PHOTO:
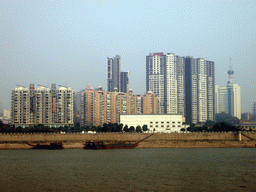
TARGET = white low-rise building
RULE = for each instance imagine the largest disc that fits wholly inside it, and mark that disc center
(165, 123)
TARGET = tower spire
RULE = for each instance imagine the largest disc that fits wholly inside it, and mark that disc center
(230, 73)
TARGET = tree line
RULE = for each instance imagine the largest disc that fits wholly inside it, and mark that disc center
(223, 123)
(106, 127)
(215, 127)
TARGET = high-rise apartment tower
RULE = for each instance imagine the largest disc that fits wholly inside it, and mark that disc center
(199, 90)
(42, 105)
(114, 71)
(98, 106)
(184, 85)
(165, 78)
(124, 81)
(228, 98)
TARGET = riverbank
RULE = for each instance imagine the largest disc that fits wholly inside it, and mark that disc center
(155, 144)
(158, 140)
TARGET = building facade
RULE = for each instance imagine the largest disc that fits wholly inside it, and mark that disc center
(234, 96)
(155, 78)
(184, 86)
(199, 90)
(99, 107)
(165, 78)
(171, 87)
(51, 107)
(164, 123)
(228, 98)
(247, 116)
(5, 117)
(114, 73)
(124, 81)
(150, 103)
(221, 97)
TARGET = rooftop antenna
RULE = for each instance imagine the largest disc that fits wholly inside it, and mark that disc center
(230, 73)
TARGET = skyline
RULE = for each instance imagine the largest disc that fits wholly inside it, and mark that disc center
(68, 43)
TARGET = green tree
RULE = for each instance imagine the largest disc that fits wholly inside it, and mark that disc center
(131, 129)
(114, 127)
(191, 127)
(197, 129)
(77, 126)
(93, 128)
(126, 129)
(54, 129)
(61, 128)
(120, 127)
(1, 124)
(87, 128)
(19, 129)
(209, 124)
(99, 128)
(39, 128)
(220, 117)
(66, 128)
(138, 129)
(145, 127)
(47, 129)
(105, 127)
(31, 128)
(224, 126)
(26, 129)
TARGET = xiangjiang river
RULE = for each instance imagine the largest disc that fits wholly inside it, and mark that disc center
(194, 169)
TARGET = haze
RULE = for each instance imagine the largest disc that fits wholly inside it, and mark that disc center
(68, 42)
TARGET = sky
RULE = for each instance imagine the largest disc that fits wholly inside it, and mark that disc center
(67, 42)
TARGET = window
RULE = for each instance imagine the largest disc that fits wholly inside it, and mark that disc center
(151, 122)
(156, 125)
(162, 122)
(173, 122)
(157, 122)
(173, 126)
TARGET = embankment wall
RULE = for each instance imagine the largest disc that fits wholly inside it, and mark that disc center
(78, 137)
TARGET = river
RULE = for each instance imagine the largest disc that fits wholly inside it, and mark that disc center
(170, 169)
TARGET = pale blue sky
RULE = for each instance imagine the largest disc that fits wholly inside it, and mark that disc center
(68, 42)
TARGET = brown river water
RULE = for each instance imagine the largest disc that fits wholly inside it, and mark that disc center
(169, 169)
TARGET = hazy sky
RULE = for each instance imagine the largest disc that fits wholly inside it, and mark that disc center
(67, 42)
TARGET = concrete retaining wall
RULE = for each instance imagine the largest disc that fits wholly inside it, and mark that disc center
(78, 137)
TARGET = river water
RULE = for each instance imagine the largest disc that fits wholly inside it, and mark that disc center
(194, 169)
